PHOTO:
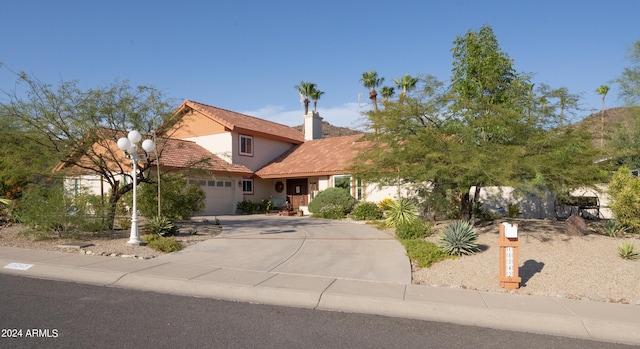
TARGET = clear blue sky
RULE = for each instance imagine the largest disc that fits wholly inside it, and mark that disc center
(248, 55)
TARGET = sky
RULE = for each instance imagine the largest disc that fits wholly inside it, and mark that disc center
(248, 55)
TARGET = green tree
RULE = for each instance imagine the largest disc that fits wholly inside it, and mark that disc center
(387, 92)
(371, 80)
(629, 81)
(406, 83)
(602, 90)
(305, 89)
(315, 96)
(78, 129)
(625, 202)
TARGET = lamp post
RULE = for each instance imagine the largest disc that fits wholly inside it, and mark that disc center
(130, 146)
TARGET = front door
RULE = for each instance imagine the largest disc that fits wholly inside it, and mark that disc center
(298, 192)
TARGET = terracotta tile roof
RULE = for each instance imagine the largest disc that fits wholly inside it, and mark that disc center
(246, 124)
(186, 154)
(318, 157)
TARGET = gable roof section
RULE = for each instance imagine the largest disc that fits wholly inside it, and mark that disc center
(327, 156)
(186, 154)
(244, 124)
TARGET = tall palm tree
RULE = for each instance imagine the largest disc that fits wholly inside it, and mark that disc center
(407, 83)
(387, 92)
(602, 90)
(315, 95)
(304, 90)
(370, 80)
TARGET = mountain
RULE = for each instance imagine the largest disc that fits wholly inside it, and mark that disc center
(329, 130)
(613, 117)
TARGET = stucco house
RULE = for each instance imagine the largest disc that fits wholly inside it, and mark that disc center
(254, 159)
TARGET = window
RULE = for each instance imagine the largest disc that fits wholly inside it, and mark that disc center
(219, 184)
(227, 184)
(211, 183)
(247, 186)
(246, 145)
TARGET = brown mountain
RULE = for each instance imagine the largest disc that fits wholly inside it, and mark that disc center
(329, 130)
(613, 117)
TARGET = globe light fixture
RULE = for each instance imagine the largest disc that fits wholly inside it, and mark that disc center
(129, 146)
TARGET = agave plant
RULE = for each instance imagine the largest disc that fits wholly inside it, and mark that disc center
(627, 251)
(401, 212)
(614, 228)
(459, 238)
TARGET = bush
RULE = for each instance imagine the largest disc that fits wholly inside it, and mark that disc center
(424, 253)
(459, 238)
(335, 202)
(247, 207)
(625, 202)
(415, 230)
(164, 244)
(613, 228)
(626, 250)
(161, 227)
(330, 212)
(400, 212)
(366, 211)
(179, 200)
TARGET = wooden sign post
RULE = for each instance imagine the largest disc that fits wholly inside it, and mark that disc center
(509, 244)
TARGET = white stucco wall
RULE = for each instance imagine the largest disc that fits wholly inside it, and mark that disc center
(219, 144)
(264, 151)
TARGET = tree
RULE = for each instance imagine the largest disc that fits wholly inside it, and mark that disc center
(629, 81)
(371, 80)
(387, 92)
(625, 202)
(305, 89)
(78, 130)
(315, 96)
(602, 90)
(406, 83)
(482, 130)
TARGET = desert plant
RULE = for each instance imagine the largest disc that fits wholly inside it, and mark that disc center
(164, 244)
(247, 207)
(626, 250)
(399, 212)
(415, 230)
(614, 228)
(513, 211)
(366, 211)
(330, 212)
(179, 200)
(193, 231)
(625, 202)
(458, 238)
(331, 200)
(161, 226)
(424, 253)
(384, 203)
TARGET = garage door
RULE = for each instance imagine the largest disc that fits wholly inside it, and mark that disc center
(219, 197)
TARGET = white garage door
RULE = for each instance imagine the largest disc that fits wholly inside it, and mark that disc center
(220, 197)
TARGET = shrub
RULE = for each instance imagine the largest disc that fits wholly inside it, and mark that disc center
(626, 250)
(399, 212)
(625, 202)
(513, 211)
(330, 212)
(332, 200)
(415, 230)
(424, 253)
(161, 226)
(459, 238)
(384, 203)
(366, 211)
(179, 200)
(164, 244)
(247, 207)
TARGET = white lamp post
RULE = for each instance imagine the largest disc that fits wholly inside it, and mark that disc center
(130, 146)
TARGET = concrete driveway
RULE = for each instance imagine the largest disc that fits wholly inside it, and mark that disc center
(301, 246)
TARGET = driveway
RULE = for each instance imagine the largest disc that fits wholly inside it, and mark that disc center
(301, 246)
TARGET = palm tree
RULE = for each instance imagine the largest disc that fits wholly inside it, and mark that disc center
(407, 83)
(315, 95)
(304, 90)
(370, 80)
(387, 92)
(602, 90)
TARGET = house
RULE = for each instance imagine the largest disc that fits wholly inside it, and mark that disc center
(241, 157)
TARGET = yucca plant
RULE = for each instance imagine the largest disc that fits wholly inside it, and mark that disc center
(161, 226)
(459, 238)
(627, 251)
(400, 212)
(614, 228)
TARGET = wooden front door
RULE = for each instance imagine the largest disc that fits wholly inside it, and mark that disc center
(298, 192)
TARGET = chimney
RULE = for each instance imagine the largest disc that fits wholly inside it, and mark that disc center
(312, 126)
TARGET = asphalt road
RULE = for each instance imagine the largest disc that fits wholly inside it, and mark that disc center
(53, 314)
